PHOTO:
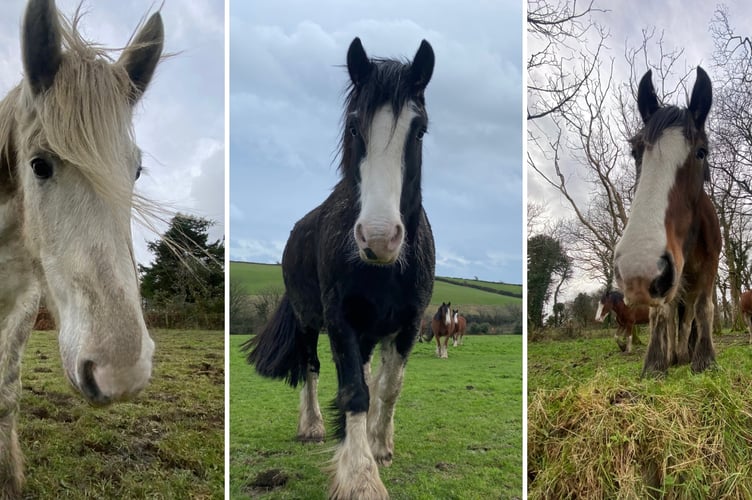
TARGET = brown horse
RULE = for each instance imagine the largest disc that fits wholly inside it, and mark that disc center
(745, 304)
(442, 325)
(460, 325)
(667, 257)
(626, 317)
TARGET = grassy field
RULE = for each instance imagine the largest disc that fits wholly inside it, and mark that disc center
(596, 430)
(458, 427)
(167, 443)
(259, 277)
(506, 287)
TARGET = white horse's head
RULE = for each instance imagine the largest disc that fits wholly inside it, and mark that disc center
(77, 162)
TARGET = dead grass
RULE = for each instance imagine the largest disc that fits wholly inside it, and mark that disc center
(612, 435)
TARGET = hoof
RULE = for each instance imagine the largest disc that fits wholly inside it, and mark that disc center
(654, 373)
(699, 366)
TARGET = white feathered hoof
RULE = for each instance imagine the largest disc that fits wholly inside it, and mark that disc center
(356, 472)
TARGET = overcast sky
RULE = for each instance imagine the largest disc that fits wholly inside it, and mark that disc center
(180, 121)
(685, 26)
(286, 90)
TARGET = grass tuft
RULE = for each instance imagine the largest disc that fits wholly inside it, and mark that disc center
(597, 431)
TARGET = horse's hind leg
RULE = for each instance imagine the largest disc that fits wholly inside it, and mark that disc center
(310, 421)
(384, 390)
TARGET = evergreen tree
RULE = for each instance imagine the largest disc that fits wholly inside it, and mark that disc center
(188, 271)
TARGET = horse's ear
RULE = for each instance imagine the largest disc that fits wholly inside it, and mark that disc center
(647, 101)
(140, 58)
(358, 64)
(422, 66)
(41, 44)
(702, 98)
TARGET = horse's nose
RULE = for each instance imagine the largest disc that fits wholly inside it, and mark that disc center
(661, 285)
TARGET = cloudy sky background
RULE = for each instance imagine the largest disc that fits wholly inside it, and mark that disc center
(179, 123)
(286, 89)
(685, 25)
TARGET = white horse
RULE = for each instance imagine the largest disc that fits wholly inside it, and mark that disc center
(68, 163)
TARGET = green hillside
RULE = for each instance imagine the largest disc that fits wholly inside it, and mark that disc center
(258, 277)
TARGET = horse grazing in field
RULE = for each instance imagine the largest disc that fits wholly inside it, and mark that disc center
(626, 317)
(460, 325)
(68, 164)
(442, 325)
(362, 265)
(667, 257)
(745, 304)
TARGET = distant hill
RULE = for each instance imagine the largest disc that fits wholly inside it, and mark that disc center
(459, 291)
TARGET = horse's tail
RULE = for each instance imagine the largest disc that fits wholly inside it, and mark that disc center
(279, 351)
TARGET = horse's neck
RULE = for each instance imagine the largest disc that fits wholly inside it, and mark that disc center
(19, 286)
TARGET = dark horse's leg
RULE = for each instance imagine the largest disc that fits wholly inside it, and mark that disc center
(355, 470)
(685, 318)
(703, 355)
(310, 421)
(385, 389)
(662, 339)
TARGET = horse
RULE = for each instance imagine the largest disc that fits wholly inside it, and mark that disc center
(460, 325)
(442, 325)
(626, 317)
(667, 257)
(68, 164)
(362, 265)
(745, 304)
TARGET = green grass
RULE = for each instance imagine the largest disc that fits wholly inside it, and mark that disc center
(458, 426)
(167, 443)
(505, 287)
(259, 277)
(596, 430)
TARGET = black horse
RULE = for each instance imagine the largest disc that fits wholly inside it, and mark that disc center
(361, 265)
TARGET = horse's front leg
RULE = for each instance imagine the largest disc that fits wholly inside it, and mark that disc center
(703, 355)
(16, 326)
(385, 389)
(355, 470)
(685, 317)
(662, 330)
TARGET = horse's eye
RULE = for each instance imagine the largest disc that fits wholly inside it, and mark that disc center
(138, 171)
(421, 133)
(42, 168)
(702, 153)
(354, 131)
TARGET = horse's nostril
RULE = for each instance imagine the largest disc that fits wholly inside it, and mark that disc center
(661, 285)
(359, 233)
(89, 386)
(370, 253)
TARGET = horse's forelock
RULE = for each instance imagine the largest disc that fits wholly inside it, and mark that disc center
(85, 117)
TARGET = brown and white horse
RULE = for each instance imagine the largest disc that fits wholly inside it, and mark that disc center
(460, 325)
(442, 325)
(745, 304)
(626, 317)
(667, 257)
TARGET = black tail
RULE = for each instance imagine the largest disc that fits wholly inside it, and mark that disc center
(279, 351)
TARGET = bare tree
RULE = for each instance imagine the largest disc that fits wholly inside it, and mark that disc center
(559, 59)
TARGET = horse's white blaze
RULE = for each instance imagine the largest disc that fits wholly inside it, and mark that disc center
(356, 474)
(379, 225)
(84, 246)
(644, 239)
(447, 318)
(598, 313)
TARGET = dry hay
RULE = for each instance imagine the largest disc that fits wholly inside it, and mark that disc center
(686, 437)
